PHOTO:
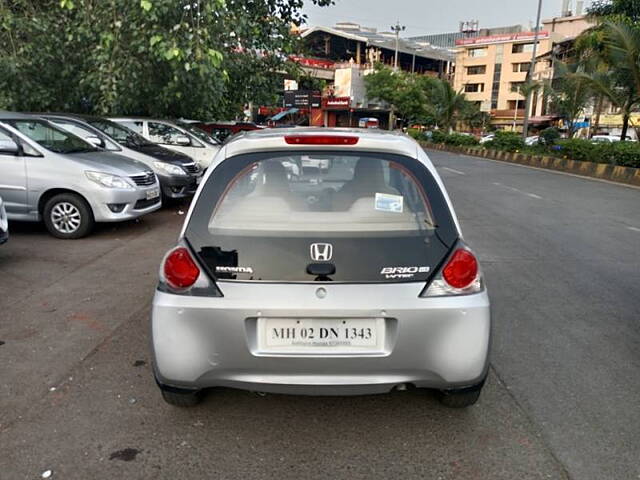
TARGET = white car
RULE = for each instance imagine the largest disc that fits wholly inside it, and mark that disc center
(605, 138)
(174, 136)
(4, 224)
(531, 141)
(487, 138)
(351, 281)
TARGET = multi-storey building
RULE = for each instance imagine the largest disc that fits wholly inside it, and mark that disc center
(491, 70)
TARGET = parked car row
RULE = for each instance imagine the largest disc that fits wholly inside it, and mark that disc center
(71, 171)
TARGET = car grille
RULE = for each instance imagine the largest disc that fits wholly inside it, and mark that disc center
(145, 179)
(190, 167)
(144, 203)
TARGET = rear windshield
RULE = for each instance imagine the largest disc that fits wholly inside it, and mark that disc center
(372, 218)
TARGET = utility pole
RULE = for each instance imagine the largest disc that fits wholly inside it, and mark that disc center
(397, 28)
(532, 70)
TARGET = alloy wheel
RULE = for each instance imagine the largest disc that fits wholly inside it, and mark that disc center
(66, 217)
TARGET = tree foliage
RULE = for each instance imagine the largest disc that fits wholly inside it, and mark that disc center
(191, 58)
(419, 98)
(570, 93)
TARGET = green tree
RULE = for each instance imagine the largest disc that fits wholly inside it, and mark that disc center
(620, 84)
(616, 10)
(569, 94)
(191, 58)
(446, 105)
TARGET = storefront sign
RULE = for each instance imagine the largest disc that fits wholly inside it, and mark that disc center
(301, 99)
(337, 103)
(313, 62)
(513, 37)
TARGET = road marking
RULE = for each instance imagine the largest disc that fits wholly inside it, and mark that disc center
(453, 170)
(547, 170)
(634, 229)
(513, 189)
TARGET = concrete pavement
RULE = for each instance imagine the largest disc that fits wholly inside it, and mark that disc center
(560, 257)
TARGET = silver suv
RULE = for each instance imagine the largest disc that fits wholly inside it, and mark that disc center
(47, 173)
(352, 278)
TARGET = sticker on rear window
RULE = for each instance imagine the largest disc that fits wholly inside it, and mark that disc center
(386, 202)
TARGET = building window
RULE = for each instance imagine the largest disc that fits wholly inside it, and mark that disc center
(477, 52)
(522, 48)
(516, 104)
(477, 70)
(516, 86)
(521, 67)
(474, 87)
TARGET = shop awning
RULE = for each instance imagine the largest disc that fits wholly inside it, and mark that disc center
(281, 115)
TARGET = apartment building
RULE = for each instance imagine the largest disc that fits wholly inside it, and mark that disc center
(492, 69)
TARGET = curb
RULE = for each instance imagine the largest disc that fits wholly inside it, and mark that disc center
(602, 171)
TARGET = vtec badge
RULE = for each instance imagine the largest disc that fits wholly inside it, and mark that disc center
(402, 272)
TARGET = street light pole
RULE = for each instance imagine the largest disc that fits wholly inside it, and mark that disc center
(397, 28)
(532, 70)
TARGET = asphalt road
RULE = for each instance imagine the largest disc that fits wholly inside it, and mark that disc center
(560, 257)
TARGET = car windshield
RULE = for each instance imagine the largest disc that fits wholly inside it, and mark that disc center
(51, 137)
(120, 134)
(199, 133)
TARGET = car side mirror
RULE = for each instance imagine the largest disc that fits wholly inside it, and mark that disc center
(9, 147)
(95, 141)
(182, 140)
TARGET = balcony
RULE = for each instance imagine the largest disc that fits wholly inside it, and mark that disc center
(509, 113)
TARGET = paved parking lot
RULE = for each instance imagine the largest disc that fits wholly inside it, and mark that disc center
(77, 396)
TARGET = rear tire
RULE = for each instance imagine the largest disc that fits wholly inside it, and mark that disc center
(68, 216)
(181, 398)
(461, 398)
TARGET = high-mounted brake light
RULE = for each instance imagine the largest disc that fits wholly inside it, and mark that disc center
(321, 140)
(461, 269)
(180, 271)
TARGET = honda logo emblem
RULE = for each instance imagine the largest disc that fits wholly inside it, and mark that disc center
(321, 252)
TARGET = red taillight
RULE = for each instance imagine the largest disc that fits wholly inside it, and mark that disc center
(461, 269)
(180, 270)
(320, 140)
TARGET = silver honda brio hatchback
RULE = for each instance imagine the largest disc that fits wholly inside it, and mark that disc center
(321, 262)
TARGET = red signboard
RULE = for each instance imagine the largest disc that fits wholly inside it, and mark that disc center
(509, 37)
(336, 102)
(313, 62)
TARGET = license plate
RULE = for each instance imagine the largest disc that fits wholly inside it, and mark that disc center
(154, 193)
(308, 335)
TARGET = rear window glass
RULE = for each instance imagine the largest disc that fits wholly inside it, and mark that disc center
(267, 212)
(308, 194)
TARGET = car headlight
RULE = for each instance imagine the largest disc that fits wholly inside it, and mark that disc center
(169, 169)
(109, 181)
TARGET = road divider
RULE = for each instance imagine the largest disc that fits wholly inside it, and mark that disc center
(603, 171)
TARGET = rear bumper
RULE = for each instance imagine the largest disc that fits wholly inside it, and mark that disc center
(433, 343)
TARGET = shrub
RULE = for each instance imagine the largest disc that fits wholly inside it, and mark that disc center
(458, 140)
(508, 141)
(579, 149)
(438, 136)
(626, 154)
(416, 134)
(549, 136)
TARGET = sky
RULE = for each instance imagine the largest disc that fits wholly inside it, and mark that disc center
(431, 16)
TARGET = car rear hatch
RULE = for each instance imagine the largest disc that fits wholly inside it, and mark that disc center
(361, 218)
